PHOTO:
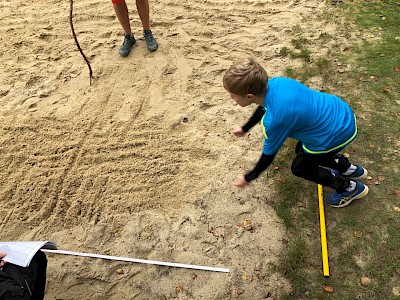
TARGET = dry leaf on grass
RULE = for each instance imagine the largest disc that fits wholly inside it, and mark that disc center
(396, 291)
(178, 288)
(373, 78)
(396, 209)
(283, 180)
(328, 288)
(365, 281)
(398, 193)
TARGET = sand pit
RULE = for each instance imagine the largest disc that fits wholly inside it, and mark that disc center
(140, 163)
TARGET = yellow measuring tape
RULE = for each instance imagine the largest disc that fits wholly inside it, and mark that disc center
(324, 245)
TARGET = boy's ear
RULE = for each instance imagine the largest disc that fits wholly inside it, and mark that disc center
(250, 96)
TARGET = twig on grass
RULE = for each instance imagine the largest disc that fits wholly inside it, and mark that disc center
(77, 43)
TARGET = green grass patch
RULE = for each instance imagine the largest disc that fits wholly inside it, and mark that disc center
(363, 238)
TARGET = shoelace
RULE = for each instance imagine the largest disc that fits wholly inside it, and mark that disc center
(149, 37)
(126, 40)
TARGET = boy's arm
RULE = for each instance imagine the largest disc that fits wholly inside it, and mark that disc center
(254, 119)
(263, 163)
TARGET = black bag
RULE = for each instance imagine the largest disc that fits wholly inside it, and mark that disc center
(18, 283)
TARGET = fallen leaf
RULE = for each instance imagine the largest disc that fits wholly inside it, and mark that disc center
(328, 288)
(365, 281)
(386, 89)
(381, 178)
(363, 79)
(178, 288)
(358, 233)
(119, 271)
(247, 225)
(246, 222)
(398, 193)
(373, 78)
(275, 168)
(346, 154)
(383, 18)
(240, 291)
(194, 276)
(369, 177)
(396, 209)
(283, 180)
(396, 291)
(117, 232)
(396, 68)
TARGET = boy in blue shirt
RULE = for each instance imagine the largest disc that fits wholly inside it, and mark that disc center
(323, 125)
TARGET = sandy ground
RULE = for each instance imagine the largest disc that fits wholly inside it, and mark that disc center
(140, 163)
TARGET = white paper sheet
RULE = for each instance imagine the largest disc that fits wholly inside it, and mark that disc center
(21, 253)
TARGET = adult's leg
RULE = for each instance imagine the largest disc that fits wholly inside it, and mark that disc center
(144, 13)
(121, 10)
(143, 10)
(309, 167)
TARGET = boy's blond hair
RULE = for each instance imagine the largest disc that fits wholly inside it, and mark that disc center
(246, 76)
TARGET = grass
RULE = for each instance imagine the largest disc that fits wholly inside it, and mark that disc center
(363, 238)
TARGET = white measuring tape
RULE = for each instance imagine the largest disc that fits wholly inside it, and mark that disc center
(143, 261)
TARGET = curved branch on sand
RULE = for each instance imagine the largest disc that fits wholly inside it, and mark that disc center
(77, 43)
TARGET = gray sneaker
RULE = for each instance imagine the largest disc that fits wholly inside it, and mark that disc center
(151, 42)
(126, 47)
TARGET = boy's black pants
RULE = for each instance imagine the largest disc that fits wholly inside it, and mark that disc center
(18, 283)
(311, 167)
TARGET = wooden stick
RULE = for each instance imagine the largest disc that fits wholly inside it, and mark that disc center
(324, 245)
(76, 41)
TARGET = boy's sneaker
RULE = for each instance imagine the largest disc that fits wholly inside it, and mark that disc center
(341, 200)
(151, 42)
(126, 47)
(359, 173)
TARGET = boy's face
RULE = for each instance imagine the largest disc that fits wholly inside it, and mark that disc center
(242, 100)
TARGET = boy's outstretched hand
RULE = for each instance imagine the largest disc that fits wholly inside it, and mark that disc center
(240, 182)
(238, 131)
(2, 263)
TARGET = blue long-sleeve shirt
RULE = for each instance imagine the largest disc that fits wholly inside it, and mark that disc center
(322, 122)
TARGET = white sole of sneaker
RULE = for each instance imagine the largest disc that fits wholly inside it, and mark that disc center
(359, 196)
(363, 176)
